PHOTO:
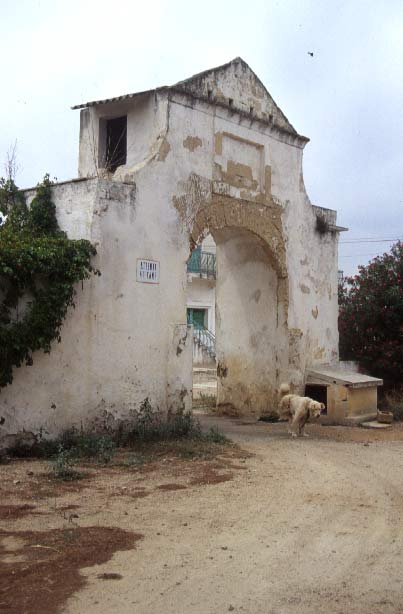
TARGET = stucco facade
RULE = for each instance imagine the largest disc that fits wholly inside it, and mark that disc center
(213, 154)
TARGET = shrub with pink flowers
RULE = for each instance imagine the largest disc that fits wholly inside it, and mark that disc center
(371, 317)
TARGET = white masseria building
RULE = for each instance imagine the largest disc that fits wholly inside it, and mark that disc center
(211, 161)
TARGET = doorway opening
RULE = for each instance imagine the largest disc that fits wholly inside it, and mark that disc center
(201, 284)
(197, 317)
(235, 324)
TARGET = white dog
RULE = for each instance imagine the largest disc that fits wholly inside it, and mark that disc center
(297, 410)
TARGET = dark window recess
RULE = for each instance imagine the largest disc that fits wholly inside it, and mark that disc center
(116, 142)
(317, 393)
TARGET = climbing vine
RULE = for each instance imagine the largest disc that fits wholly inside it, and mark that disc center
(39, 267)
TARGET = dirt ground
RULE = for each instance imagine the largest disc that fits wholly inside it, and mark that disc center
(279, 526)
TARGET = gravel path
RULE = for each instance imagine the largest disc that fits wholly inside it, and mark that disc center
(310, 526)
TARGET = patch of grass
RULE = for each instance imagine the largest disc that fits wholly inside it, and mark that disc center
(134, 461)
(201, 446)
(190, 448)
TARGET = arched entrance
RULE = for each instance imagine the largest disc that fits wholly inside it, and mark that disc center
(251, 301)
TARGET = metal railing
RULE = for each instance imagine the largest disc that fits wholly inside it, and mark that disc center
(202, 263)
(205, 339)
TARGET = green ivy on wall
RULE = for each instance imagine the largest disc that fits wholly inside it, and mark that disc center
(39, 267)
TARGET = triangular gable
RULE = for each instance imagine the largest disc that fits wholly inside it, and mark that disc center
(235, 84)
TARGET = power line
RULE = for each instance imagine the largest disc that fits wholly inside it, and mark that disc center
(359, 255)
(369, 240)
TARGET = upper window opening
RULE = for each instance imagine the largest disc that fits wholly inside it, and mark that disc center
(230, 102)
(116, 142)
(209, 94)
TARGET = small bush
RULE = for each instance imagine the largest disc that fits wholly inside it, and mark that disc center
(394, 401)
(371, 317)
(62, 465)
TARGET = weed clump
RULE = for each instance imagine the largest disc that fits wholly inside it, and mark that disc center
(150, 425)
(215, 436)
(148, 428)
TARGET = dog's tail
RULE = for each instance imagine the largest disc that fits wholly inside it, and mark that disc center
(284, 389)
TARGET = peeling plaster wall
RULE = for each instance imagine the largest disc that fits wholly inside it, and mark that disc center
(125, 340)
(247, 326)
(313, 307)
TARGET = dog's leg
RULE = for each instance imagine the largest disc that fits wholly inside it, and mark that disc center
(299, 421)
(303, 421)
(291, 426)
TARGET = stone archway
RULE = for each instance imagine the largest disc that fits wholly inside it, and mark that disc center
(252, 300)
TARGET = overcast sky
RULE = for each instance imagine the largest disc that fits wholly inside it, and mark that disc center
(347, 98)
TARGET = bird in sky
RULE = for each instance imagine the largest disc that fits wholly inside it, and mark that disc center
(310, 53)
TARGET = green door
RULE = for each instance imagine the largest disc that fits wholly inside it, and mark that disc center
(197, 317)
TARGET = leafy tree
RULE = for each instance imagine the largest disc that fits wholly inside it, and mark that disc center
(371, 317)
(39, 267)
